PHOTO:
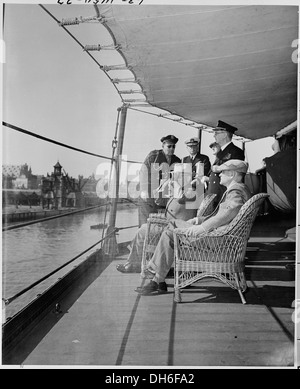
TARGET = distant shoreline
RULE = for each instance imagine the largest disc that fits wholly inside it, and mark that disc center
(12, 215)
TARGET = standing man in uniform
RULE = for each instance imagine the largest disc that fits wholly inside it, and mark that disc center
(195, 159)
(215, 149)
(195, 156)
(223, 134)
(155, 170)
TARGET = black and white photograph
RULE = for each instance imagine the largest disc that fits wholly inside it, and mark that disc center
(150, 187)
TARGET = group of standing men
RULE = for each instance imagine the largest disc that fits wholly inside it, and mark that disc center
(225, 178)
(158, 163)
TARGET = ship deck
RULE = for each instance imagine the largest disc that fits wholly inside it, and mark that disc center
(104, 322)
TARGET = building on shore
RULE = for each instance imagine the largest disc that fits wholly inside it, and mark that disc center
(19, 177)
(53, 191)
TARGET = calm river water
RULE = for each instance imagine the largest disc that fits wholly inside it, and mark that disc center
(29, 253)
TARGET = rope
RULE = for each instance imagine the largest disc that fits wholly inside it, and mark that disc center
(164, 116)
(51, 140)
(125, 228)
(10, 299)
(58, 143)
(180, 121)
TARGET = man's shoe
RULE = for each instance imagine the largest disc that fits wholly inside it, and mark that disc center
(152, 287)
(162, 287)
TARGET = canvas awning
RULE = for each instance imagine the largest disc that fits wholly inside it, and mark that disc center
(210, 63)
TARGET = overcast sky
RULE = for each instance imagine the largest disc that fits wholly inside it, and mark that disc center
(53, 88)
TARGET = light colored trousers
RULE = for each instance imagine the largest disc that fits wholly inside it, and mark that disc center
(163, 256)
(136, 246)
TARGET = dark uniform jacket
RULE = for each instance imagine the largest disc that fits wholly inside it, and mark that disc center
(198, 158)
(231, 151)
(148, 174)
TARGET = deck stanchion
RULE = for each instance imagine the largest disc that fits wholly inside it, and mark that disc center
(110, 246)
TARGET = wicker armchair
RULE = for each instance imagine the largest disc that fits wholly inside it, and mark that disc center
(157, 222)
(217, 254)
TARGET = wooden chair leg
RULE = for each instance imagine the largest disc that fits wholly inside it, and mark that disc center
(239, 289)
(242, 296)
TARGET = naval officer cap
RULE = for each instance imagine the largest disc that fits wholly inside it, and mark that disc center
(192, 141)
(225, 126)
(233, 164)
(169, 139)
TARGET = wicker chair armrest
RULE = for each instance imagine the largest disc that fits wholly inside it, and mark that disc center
(211, 253)
(182, 238)
(219, 233)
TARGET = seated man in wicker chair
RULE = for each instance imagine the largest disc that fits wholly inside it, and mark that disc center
(237, 193)
(182, 205)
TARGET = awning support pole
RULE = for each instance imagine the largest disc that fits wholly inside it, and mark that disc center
(111, 247)
(200, 138)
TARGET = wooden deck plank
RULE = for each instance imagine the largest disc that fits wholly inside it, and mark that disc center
(204, 329)
(95, 322)
(109, 324)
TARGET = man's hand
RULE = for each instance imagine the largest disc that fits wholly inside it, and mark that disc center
(195, 230)
(192, 221)
(215, 169)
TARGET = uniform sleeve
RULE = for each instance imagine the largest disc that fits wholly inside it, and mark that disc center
(227, 211)
(177, 160)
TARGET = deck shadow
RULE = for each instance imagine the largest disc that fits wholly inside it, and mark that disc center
(260, 273)
(273, 296)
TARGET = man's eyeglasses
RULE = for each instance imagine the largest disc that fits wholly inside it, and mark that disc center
(169, 146)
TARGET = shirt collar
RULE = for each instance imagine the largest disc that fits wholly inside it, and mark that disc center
(223, 147)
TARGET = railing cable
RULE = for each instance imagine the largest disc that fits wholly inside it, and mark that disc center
(51, 140)
(16, 128)
(10, 299)
(125, 228)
